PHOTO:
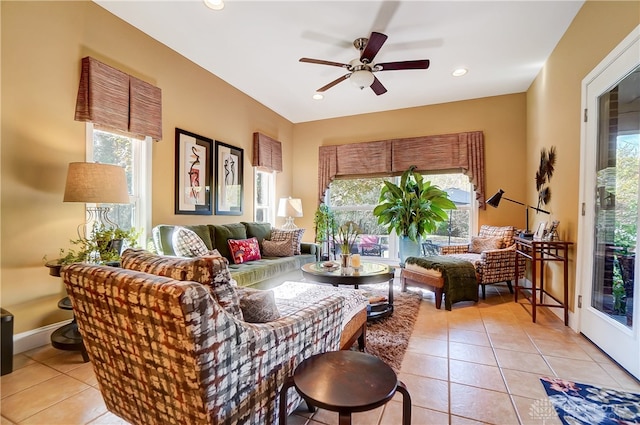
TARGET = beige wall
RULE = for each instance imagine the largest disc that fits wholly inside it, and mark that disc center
(43, 42)
(554, 112)
(501, 118)
(42, 45)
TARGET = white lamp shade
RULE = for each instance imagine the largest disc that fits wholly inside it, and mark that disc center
(290, 207)
(362, 78)
(96, 183)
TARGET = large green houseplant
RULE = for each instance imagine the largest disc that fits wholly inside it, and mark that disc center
(412, 210)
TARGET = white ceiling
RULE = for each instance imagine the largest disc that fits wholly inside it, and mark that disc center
(255, 47)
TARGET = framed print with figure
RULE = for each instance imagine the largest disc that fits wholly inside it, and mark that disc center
(193, 174)
(229, 184)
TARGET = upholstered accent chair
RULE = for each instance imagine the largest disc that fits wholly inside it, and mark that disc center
(169, 345)
(493, 254)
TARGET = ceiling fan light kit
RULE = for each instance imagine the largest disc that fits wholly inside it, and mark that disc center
(361, 69)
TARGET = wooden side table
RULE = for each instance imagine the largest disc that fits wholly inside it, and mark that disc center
(540, 252)
(345, 382)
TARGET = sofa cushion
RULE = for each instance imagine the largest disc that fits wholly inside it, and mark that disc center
(266, 268)
(277, 249)
(294, 236)
(224, 232)
(505, 232)
(260, 231)
(186, 243)
(163, 237)
(210, 271)
(258, 306)
(479, 244)
(243, 250)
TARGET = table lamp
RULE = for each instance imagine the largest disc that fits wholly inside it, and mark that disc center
(96, 183)
(494, 201)
(290, 208)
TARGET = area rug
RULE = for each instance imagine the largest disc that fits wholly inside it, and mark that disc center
(578, 403)
(388, 338)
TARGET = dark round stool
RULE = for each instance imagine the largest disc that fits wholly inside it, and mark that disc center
(345, 382)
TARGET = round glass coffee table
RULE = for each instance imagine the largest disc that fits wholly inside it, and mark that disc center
(368, 273)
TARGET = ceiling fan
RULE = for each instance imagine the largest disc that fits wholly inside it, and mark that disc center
(361, 69)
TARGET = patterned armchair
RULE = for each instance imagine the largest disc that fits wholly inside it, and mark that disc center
(493, 254)
(167, 349)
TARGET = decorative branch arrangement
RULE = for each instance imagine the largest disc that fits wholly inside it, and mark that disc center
(544, 174)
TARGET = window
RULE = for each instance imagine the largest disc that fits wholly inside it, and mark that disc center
(264, 202)
(355, 199)
(135, 156)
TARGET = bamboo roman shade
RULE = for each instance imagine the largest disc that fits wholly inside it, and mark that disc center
(459, 151)
(111, 98)
(267, 153)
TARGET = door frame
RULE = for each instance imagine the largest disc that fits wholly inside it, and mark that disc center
(584, 260)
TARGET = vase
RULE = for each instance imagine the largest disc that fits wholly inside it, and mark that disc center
(409, 248)
(345, 260)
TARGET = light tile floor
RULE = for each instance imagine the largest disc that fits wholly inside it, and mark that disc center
(477, 364)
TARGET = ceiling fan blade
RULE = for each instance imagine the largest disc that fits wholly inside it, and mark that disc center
(394, 66)
(323, 62)
(333, 83)
(376, 40)
(377, 87)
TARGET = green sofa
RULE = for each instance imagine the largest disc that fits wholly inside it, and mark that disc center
(262, 273)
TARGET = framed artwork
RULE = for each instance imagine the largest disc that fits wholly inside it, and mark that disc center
(194, 159)
(229, 184)
(540, 231)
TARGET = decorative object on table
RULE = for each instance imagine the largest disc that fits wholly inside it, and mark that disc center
(99, 238)
(494, 201)
(346, 237)
(290, 208)
(552, 233)
(540, 231)
(95, 183)
(229, 179)
(577, 403)
(544, 174)
(194, 156)
(412, 209)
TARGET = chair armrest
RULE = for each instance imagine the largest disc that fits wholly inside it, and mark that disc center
(454, 249)
(310, 248)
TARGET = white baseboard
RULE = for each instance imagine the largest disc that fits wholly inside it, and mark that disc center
(35, 338)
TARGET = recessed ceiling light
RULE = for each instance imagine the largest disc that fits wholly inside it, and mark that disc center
(318, 96)
(214, 4)
(459, 72)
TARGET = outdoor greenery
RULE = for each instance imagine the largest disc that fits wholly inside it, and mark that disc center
(414, 207)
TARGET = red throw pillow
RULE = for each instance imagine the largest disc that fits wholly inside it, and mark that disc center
(243, 250)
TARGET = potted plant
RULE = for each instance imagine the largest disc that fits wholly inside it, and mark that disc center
(103, 246)
(413, 209)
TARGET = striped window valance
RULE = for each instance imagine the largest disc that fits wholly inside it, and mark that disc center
(463, 152)
(267, 153)
(116, 100)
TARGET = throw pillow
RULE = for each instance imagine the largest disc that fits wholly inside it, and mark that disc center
(258, 306)
(243, 250)
(479, 244)
(293, 236)
(277, 249)
(187, 243)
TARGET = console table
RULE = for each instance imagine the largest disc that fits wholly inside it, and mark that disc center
(540, 252)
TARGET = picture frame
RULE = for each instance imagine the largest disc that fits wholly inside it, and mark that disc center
(552, 233)
(229, 179)
(193, 173)
(540, 231)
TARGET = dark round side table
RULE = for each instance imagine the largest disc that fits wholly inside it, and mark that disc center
(345, 382)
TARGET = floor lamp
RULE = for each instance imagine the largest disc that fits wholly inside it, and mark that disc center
(96, 183)
(290, 208)
(494, 201)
